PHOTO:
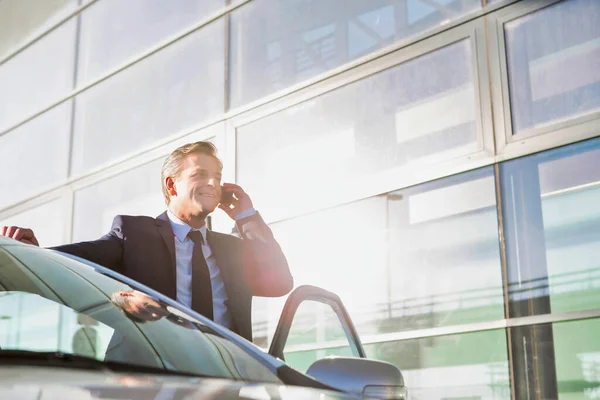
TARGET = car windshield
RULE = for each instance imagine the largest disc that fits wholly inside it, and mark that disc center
(53, 303)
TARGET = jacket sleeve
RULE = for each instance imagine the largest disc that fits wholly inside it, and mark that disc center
(266, 270)
(106, 251)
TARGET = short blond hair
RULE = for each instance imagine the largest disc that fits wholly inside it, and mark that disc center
(172, 165)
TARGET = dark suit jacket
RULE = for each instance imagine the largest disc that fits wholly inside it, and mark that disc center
(143, 248)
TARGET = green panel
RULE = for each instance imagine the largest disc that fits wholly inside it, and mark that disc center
(577, 354)
(470, 365)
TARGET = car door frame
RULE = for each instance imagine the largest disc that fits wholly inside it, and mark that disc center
(313, 293)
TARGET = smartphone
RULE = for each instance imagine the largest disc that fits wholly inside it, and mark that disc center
(226, 196)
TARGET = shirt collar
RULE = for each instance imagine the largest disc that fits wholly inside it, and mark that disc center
(181, 229)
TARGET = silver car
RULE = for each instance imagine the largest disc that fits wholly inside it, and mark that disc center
(71, 329)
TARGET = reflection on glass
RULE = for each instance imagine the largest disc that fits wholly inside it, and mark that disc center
(570, 360)
(135, 192)
(315, 321)
(38, 76)
(47, 221)
(317, 324)
(440, 233)
(552, 228)
(165, 94)
(577, 352)
(466, 366)
(406, 253)
(277, 44)
(22, 20)
(114, 31)
(45, 140)
(331, 143)
(34, 323)
(553, 63)
(66, 305)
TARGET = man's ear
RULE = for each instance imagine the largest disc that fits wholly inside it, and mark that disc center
(170, 184)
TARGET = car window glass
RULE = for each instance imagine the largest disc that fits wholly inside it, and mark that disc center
(91, 314)
(36, 319)
(316, 333)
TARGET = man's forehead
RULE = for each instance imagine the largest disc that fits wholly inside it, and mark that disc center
(202, 161)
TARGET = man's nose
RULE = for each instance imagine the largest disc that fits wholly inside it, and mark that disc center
(212, 182)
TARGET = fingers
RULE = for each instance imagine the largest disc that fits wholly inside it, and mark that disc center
(10, 231)
(225, 207)
(232, 187)
(23, 235)
(228, 210)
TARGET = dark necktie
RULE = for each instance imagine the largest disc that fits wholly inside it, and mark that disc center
(202, 301)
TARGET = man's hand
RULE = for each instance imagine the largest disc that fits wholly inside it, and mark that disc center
(240, 203)
(23, 235)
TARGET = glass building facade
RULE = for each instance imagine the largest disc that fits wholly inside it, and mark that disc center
(436, 163)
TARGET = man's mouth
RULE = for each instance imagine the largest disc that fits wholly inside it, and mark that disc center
(207, 195)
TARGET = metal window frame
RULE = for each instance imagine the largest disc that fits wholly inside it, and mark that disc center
(67, 187)
(460, 329)
(553, 134)
(405, 175)
(47, 31)
(226, 12)
(127, 64)
(492, 86)
(140, 156)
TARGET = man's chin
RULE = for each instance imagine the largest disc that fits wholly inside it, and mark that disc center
(206, 209)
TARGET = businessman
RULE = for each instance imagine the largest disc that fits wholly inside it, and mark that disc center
(214, 274)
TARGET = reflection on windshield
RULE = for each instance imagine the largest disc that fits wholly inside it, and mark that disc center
(34, 323)
(140, 308)
(49, 302)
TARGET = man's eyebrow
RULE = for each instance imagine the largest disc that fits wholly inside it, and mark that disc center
(200, 169)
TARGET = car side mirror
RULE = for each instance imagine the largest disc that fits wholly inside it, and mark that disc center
(368, 378)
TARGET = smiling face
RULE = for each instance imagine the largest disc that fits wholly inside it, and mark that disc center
(196, 190)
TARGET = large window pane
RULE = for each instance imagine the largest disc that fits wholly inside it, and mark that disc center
(35, 156)
(38, 76)
(577, 353)
(115, 31)
(171, 91)
(554, 63)
(557, 361)
(324, 146)
(135, 192)
(22, 20)
(552, 228)
(48, 222)
(466, 366)
(276, 44)
(399, 260)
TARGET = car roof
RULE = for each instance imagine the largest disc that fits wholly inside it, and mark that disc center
(6, 241)
(248, 346)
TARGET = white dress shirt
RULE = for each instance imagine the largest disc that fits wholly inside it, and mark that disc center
(184, 248)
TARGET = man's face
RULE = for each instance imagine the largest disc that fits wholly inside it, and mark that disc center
(198, 187)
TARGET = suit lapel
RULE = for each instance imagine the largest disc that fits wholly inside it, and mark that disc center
(164, 228)
(223, 255)
(227, 261)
